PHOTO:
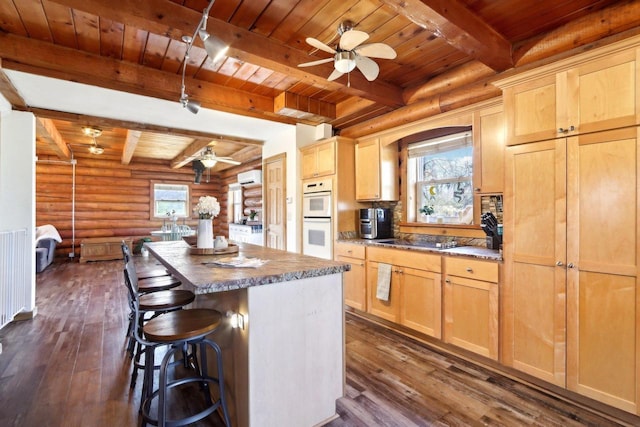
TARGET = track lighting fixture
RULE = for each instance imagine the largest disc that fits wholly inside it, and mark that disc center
(215, 48)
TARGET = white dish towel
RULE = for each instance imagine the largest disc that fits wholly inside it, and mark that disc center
(384, 281)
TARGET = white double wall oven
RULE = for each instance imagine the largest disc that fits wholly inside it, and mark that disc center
(317, 221)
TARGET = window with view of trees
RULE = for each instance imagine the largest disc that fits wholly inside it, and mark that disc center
(442, 171)
(170, 198)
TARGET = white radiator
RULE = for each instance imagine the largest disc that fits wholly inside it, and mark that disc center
(14, 277)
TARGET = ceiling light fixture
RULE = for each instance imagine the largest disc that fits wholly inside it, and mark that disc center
(208, 159)
(215, 48)
(93, 133)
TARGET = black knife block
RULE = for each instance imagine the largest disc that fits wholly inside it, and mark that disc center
(494, 242)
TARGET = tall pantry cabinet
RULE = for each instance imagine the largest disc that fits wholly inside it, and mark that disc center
(571, 300)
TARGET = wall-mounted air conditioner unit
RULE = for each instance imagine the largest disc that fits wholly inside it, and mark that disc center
(253, 177)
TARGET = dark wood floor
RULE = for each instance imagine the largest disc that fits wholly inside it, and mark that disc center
(67, 367)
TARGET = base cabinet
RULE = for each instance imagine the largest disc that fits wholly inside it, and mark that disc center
(355, 285)
(471, 305)
(414, 295)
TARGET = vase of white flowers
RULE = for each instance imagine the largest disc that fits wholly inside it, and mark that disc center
(207, 208)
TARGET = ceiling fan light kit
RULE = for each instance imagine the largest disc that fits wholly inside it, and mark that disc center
(215, 48)
(209, 159)
(350, 53)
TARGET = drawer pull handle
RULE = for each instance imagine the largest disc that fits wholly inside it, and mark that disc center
(469, 270)
(448, 280)
(559, 263)
(570, 265)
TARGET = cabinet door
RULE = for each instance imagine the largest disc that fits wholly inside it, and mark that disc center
(421, 301)
(368, 170)
(471, 315)
(326, 159)
(531, 110)
(602, 300)
(534, 292)
(309, 168)
(488, 151)
(355, 286)
(603, 94)
(388, 310)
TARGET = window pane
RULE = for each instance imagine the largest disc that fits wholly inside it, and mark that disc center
(444, 187)
(171, 197)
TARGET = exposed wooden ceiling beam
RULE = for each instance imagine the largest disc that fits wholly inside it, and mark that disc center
(130, 144)
(46, 59)
(103, 122)
(190, 153)
(46, 129)
(172, 20)
(9, 91)
(460, 28)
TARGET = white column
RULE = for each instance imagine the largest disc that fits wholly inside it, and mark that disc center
(18, 181)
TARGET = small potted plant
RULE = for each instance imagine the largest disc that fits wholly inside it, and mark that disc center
(252, 214)
(426, 211)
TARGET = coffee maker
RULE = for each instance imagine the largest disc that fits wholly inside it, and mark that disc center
(375, 223)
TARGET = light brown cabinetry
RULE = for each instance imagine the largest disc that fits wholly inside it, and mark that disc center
(376, 170)
(488, 150)
(319, 159)
(415, 294)
(471, 304)
(586, 93)
(355, 285)
(571, 242)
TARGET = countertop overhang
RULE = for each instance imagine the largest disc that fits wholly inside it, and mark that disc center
(205, 277)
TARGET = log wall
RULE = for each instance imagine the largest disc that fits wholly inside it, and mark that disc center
(113, 200)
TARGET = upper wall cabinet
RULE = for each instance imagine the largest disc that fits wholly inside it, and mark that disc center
(319, 159)
(587, 93)
(376, 170)
(488, 150)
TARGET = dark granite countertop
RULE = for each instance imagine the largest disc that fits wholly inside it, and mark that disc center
(479, 252)
(281, 266)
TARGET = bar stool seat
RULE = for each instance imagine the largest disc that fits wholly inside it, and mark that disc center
(166, 300)
(156, 284)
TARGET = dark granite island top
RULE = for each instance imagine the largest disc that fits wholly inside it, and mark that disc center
(284, 363)
(198, 270)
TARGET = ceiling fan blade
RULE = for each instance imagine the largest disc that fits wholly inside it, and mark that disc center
(319, 45)
(227, 160)
(312, 63)
(368, 67)
(376, 50)
(352, 38)
(336, 74)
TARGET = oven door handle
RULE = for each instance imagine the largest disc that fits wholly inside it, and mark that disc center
(316, 219)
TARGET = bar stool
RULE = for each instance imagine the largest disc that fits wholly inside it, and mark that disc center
(155, 281)
(155, 303)
(178, 330)
(146, 273)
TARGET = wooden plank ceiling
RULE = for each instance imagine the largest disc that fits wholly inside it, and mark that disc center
(447, 52)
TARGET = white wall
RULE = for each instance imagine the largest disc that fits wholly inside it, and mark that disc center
(17, 180)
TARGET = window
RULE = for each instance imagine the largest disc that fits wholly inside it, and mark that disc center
(235, 203)
(440, 173)
(168, 198)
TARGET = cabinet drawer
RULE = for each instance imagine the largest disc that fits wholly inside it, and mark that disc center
(406, 258)
(472, 269)
(349, 250)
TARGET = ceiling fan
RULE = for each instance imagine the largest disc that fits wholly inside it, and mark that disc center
(209, 159)
(351, 53)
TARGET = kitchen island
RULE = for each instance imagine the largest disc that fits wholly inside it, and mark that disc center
(284, 363)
